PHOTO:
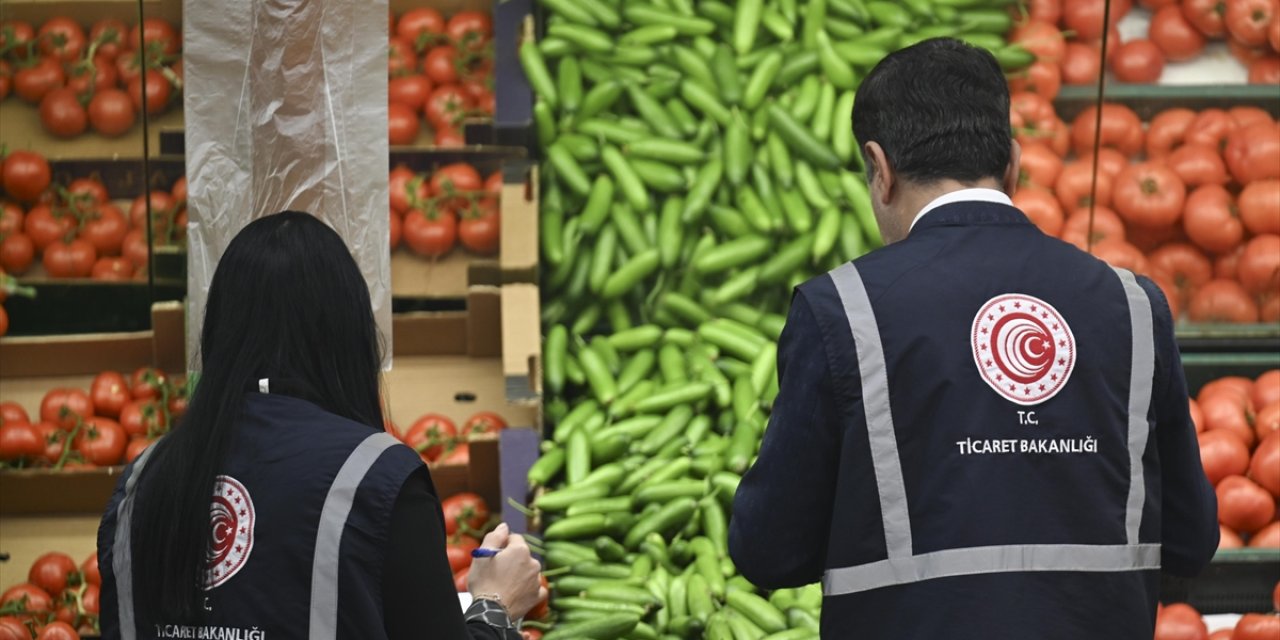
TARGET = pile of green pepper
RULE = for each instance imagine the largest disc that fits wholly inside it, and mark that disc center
(699, 163)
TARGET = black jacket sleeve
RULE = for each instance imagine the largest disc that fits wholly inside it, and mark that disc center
(782, 511)
(1189, 523)
(418, 597)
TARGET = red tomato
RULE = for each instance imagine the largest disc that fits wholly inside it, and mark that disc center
(1211, 127)
(441, 65)
(105, 229)
(402, 124)
(1167, 131)
(1040, 38)
(459, 454)
(1177, 39)
(429, 435)
(1259, 268)
(1243, 505)
(12, 412)
(1138, 61)
(157, 31)
(430, 236)
(1266, 389)
(17, 252)
(1080, 64)
(90, 190)
(1257, 626)
(1042, 208)
(12, 628)
(446, 106)
(493, 184)
(1264, 468)
(1223, 412)
(1238, 387)
(85, 79)
(62, 38)
(45, 227)
(32, 83)
(1222, 454)
(19, 440)
(482, 423)
(1265, 70)
(1253, 152)
(469, 29)
(422, 26)
(62, 115)
(463, 511)
(1228, 539)
(1119, 253)
(1039, 166)
(58, 631)
(1244, 115)
(128, 66)
(1206, 16)
(102, 442)
(158, 91)
(15, 36)
(1180, 622)
(26, 175)
(540, 610)
(400, 59)
(34, 599)
(1036, 119)
(163, 207)
(1185, 266)
(136, 249)
(1198, 164)
(410, 91)
(395, 229)
(113, 269)
(11, 216)
(109, 393)
(1247, 21)
(1149, 194)
(458, 179)
(479, 233)
(63, 406)
(1084, 17)
(460, 580)
(459, 553)
(89, 569)
(111, 113)
(52, 571)
(1268, 538)
(1121, 129)
(1081, 232)
(1075, 184)
(69, 259)
(408, 189)
(448, 138)
(1212, 220)
(135, 448)
(109, 34)
(146, 382)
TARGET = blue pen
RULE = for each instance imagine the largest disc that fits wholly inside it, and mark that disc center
(481, 552)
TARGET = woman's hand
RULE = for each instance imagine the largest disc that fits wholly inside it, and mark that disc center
(512, 575)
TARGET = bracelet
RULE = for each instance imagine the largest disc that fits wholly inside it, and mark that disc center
(489, 609)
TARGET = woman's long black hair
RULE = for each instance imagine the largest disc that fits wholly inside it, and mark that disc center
(287, 302)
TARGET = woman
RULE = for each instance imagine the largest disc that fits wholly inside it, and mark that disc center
(321, 525)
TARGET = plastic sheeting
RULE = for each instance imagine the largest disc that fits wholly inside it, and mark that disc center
(286, 108)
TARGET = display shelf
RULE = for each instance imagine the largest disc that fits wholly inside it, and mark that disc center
(1201, 368)
(1245, 338)
(1236, 581)
(22, 130)
(1148, 100)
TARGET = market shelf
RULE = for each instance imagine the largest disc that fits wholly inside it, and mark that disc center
(1244, 338)
(1148, 99)
(22, 130)
(1236, 581)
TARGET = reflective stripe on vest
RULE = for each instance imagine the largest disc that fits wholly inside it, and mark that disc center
(902, 566)
(325, 561)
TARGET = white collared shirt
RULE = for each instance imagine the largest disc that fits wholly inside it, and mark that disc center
(963, 195)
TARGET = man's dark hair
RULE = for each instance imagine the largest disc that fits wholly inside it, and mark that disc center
(939, 109)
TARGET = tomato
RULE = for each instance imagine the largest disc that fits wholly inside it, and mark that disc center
(128, 66)
(464, 511)
(135, 448)
(1225, 413)
(146, 382)
(1119, 253)
(87, 191)
(1185, 266)
(1080, 64)
(111, 113)
(1149, 194)
(1197, 416)
(89, 569)
(105, 230)
(402, 124)
(1222, 454)
(1138, 61)
(62, 406)
(1207, 16)
(19, 440)
(87, 78)
(395, 229)
(458, 454)
(1040, 38)
(17, 252)
(409, 90)
(1168, 130)
(1180, 622)
(1084, 17)
(446, 106)
(1043, 78)
(1238, 387)
(1177, 39)
(1039, 166)
(1042, 208)
(1257, 626)
(1074, 186)
(429, 435)
(12, 629)
(1121, 130)
(109, 393)
(33, 598)
(12, 412)
(441, 65)
(163, 207)
(158, 91)
(26, 175)
(430, 236)
(422, 26)
(45, 227)
(1198, 164)
(408, 189)
(1245, 115)
(1034, 116)
(92, 599)
(11, 216)
(400, 58)
(61, 38)
(1268, 538)
(1269, 308)
(1266, 389)
(458, 179)
(482, 423)
(479, 232)
(58, 631)
(1106, 225)
(52, 571)
(109, 34)
(1265, 70)
(102, 442)
(528, 633)
(1247, 21)
(1228, 539)
(32, 83)
(1259, 268)
(469, 29)
(1212, 220)
(1253, 152)
(135, 248)
(1264, 468)
(69, 259)
(448, 137)
(1243, 505)
(540, 610)
(460, 580)
(155, 33)
(459, 553)
(15, 36)
(1211, 127)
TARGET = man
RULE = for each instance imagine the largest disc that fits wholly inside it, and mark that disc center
(982, 432)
